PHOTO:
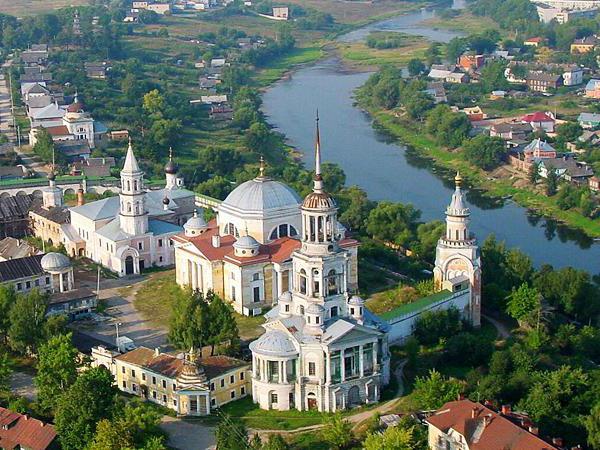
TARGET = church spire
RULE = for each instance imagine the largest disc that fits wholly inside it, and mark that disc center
(318, 180)
(131, 164)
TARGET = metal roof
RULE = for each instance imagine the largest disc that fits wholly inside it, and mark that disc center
(15, 269)
(261, 194)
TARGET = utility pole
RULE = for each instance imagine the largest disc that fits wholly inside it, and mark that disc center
(117, 341)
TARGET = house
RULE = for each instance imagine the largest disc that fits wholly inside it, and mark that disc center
(475, 113)
(97, 70)
(589, 120)
(34, 57)
(572, 76)
(511, 130)
(467, 424)
(539, 149)
(594, 183)
(281, 12)
(221, 111)
(592, 89)
(567, 168)
(206, 83)
(119, 135)
(584, 45)
(440, 71)
(534, 41)
(51, 273)
(218, 62)
(159, 8)
(497, 95)
(93, 167)
(561, 15)
(12, 172)
(13, 248)
(540, 121)
(437, 91)
(457, 77)
(213, 99)
(470, 62)
(188, 384)
(542, 82)
(73, 150)
(589, 136)
(14, 215)
(19, 431)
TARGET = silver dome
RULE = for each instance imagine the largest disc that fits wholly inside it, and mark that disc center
(55, 262)
(195, 222)
(285, 297)
(261, 194)
(356, 300)
(274, 343)
(246, 243)
(314, 308)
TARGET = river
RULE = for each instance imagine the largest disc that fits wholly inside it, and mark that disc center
(389, 171)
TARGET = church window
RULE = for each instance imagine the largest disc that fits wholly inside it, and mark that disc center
(135, 185)
(164, 384)
(316, 288)
(128, 185)
(312, 369)
(283, 230)
(241, 376)
(231, 379)
(333, 312)
(273, 235)
(273, 397)
(232, 394)
(456, 234)
(123, 369)
(287, 308)
(335, 367)
(133, 387)
(317, 320)
(233, 293)
(332, 284)
(256, 294)
(303, 281)
(293, 231)
(223, 382)
(273, 371)
(301, 309)
(256, 276)
(160, 242)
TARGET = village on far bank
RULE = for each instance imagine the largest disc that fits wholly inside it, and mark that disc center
(162, 246)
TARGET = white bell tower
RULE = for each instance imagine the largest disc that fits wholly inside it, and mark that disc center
(133, 214)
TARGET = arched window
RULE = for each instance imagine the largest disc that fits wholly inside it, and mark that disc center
(128, 185)
(333, 312)
(232, 230)
(332, 283)
(293, 231)
(135, 185)
(303, 281)
(274, 235)
(456, 235)
(282, 230)
(128, 207)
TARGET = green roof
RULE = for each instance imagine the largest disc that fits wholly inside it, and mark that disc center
(40, 181)
(417, 305)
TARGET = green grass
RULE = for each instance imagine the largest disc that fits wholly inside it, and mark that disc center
(498, 188)
(254, 417)
(359, 54)
(279, 67)
(416, 305)
(154, 300)
(249, 327)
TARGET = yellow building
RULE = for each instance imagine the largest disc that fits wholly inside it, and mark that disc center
(584, 45)
(188, 385)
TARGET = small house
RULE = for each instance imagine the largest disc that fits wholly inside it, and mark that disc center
(594, 183)
(540, 121)
(542, 82)
(281, 12)
(592, 89)
(584, 45)
(470, 62)
(589, 120)
(534, 41)
(572, 76)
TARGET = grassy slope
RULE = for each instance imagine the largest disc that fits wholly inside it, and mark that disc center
(30, 7)
(426, 146)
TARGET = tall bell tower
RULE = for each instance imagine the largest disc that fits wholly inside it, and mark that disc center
(133, 214)
(457, 257)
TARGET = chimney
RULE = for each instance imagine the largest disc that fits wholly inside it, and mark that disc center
(80, 197)
(486, 420)
(474, 412)
(461, 396)
(506, 410)
(534, 430)
(156, 351)
(216, 241)
(558, 442)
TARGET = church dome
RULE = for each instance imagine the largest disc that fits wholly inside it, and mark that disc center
(285, 297)
(274, 343)
(314, 308)
(355, 300)
(261, 194)
(171, 168)
(318, 200)
(246, 246)
(52, 262)
(195, 225)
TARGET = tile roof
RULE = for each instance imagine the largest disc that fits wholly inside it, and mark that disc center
(170, 366)
(500, 433)
(11, 248)
(58, 214)
(537, 116)
(20, 431)
(60, 130)
(15, 269)
(15, 206)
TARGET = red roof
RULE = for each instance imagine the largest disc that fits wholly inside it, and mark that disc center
(278, 251)
(500, 433)
(537, 116)
(60, 130)
(535, 39)
(20, 430)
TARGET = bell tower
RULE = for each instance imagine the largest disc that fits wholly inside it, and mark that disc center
(133, 214)
(457, 260)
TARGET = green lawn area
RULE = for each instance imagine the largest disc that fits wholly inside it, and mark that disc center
(254, 417)
(296, 57)
(250, 327)
(359, 54)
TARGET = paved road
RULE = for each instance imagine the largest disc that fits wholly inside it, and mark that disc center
(184, 435)
(21, 384)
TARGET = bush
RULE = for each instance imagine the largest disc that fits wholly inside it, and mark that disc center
(433, 326)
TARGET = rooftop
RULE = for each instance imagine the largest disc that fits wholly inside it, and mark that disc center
(417, 305)
(21, 431)
(16, 269)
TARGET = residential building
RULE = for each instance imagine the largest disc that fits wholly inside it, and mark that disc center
(457, 77)
(592, 89)
(51, 273)
(510, 131)
(440, 71)
(469, 62)
(19, 431)
(589, 137)
(568, 168)
(540, 121)
(159, 8)
(539, 149)
(475, 113)
(36, 55)
(584, 45)
(93, 167)
(14, 214)
(13, 248)
(281, 12)
(534, 41)
(187, 384)
(594, 183)
(457, 260)
(464, 424)
(323, 349)
(437, 91)
(561, 15)
(543, 82)
(570, 4)
(572, 76)
(588, 121)
(97, 70)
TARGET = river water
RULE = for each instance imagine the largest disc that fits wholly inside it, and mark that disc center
(389, 171)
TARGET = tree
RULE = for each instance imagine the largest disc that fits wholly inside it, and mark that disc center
(469, 348)
(334, 177)
(455, 48)
(223, 327)
(90, 399)
(27, 319)
(217, 187)
(492, 76)
(275, 442)
(111, 436)
(154, 103)
(44, 145)
(337, 431)
(393, 222)
(428, 235)
(386, 93)
(7, 300)
(219, 161)
(393, 438)
(434, 390)
(231, 435)
(355, 206)
(5, 373)
(484, 151)
(533, 175)
(57, 369)
(245, 116)
(415, 67)
(569, 131)
(189, 320)
(432, 326)
(592, 426)
(418, 104)
(259, 139)
(551, 183)
(524, 304)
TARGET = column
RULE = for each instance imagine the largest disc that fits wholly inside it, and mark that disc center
(360, 360)
(70, 280)
(61, 282)
(342, 365)
(284, 371)
(197, 403)
(194, 276)
(279, 282)
(327, 368)
(375, 368)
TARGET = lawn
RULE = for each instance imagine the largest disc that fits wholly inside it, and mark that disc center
(359, 54)
(31, 7)
(464, 21)
(296, 57)
(254, 417)
(155, 298)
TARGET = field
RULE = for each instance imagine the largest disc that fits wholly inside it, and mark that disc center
(29, 7)
(359, 55)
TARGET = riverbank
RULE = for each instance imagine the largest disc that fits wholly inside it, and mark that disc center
(413, 135)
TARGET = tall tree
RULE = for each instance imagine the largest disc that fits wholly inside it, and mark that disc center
(337, 431)
(592, 426)
(57, 369)
(231, 435)
(524, 304)
(90, 399)
(434, 390)
(551, 182)
(7, 300)
(27, 319)
(5, 373)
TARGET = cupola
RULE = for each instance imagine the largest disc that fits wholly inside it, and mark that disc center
(314, 315)
(195, 225)
(285, 304)
(356, 306)
(246, 246)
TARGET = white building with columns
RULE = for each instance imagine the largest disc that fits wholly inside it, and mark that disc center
(322, 348)
(458, 259)
(245, 254)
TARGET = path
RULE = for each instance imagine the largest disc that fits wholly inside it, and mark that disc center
(22, 384)
(503, 331)
(184, 435)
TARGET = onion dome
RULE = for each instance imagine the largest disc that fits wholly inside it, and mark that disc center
(319, 200)
(53, 262)
(195, 225)
(457, 206)
(51, 175)
(246, 246)
(171, 167)
(166, 201)
(274, 343)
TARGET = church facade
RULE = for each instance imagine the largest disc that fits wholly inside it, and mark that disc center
(322, 349)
